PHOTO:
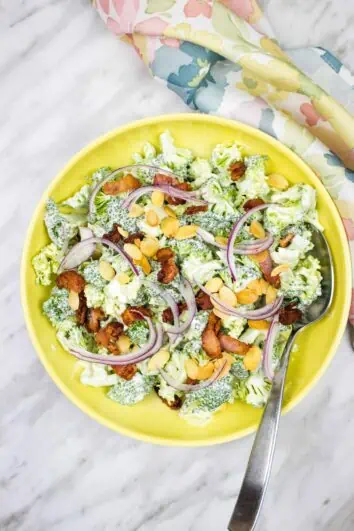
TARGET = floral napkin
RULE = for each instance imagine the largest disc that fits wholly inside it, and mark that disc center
(221, 57)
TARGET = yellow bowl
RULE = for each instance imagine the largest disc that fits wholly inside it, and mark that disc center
(151, 420)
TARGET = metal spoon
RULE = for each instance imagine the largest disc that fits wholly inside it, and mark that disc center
(253, 489)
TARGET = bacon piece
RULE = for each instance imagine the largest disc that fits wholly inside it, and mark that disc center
(125, 184)
(164, 254)
(168, 271)
(93, 318)
(251, 203)
(290, 314)
(135, 236)
(203, 301)
(82, 309)
(210, 341)
(113, 235)
(125, 371)
(108, 337)
(160, 178)
(71, 280)
(230, 344)
(237, 170)
(195, 209)
(167, 315)
(176, 200)
(266, 266)
(132, 314)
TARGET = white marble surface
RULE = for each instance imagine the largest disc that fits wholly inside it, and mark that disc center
(63, 81)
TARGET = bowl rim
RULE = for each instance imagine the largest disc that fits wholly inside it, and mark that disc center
(81, 404)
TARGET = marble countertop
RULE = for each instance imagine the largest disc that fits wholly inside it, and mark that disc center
(65, 80)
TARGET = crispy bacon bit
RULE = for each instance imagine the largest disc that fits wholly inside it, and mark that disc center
(71, 280)
(203, 301)
(125, 371)
(132, 314)
(237, 170)
(113, 235)
(164, 254)
(284, 242)
(167, 315)
(168, 271)
(82, 309)
(160, 178)
(251, 203)
(266, 266)
(230, 344)
(290, 314)
(125, 184)
(108, 336)
(190, 381)
(93, 318)
(135, 236)
(195, 209)
(175, 404)
(210, 341)
(176, 200)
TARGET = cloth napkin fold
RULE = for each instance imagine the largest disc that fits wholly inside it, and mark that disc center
(222, 58)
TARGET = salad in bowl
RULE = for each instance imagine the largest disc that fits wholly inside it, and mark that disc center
(180, 276)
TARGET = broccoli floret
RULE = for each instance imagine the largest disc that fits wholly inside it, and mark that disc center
(117, 214)
(200, 270)
(254, 391)
(224, 201)
(57, 308)
(223, 155)
(197, 326)
(46, 263)
(238, 370)
(254, 182)
(58, 229)
(92, 275)
(71, 335)
(191, 247)
(94, 296)
(218, 225)
(99, 174)
(303, 282)
(138, 332)
(129, 392)
(80, 199)
(233, 326)
(178, 159)
(200, 171)
(199, 406)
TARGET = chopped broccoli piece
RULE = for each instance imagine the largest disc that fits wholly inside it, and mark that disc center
(224, 155)
(224, 201)
(197, 326)
(218, 225)
(238, 370)
(46, 263)
(178, 159)
(92, 275)
(200, 171)
(129, 392)
(138, 332)
(94, 296)
(71, 335)
(57, 227)
(198, 406)
(303, 282)
(80, 199)
(200, 269)
(254, 391)
(57, 308)
(254, 182)
(191, 247)
(99, 175)
(233, 326)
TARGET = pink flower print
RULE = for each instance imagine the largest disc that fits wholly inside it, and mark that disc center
(153, 26)
(349, 228)
(104, 4)
(310, 113)
(241, 8)
(122, 15)
(194, 8)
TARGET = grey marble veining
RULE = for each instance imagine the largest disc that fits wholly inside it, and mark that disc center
(64, 80)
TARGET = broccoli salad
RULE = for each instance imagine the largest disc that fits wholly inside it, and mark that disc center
(180, 276)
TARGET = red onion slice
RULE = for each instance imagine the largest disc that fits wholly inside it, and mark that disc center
(84, 249)
(144, 352)
(252, 247)
(268, 348)
(254, 315)
(85, 233)
(166, 189)
(190, 387)
(235, 231)
(188, 294)
(131, 167)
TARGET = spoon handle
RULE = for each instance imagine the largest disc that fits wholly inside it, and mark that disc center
(255, 482)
